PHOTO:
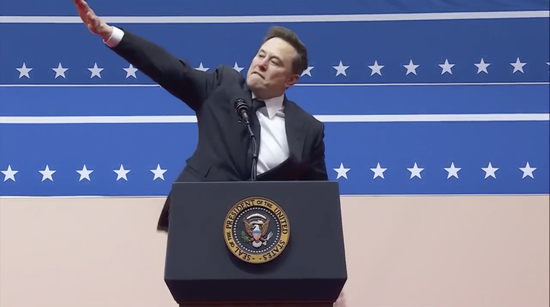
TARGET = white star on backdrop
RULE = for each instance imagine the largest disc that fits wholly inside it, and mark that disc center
(342, 171)
(415, 171)
(131, 71)
(378, 171)
(159, 173)
(121, 173)
(527, 171)
(201, 67)
(47, 173)
(446, 67)
(340, 69)
(60, 71)
(490, 171)
(96, 71)
(452, 171)
(24, 71)
(518, 65)
(236, 67)
(482, 66)
(307, 71)
(9, 174)
(84, 173)
(376, 69)
(411, 67)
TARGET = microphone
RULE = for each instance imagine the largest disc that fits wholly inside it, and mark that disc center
(242, 110)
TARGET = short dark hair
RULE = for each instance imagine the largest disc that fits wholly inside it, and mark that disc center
(300, 62)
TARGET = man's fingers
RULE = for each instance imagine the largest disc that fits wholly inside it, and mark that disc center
(88, 16)
(94, 21)
(82, 6)
(79, 4)
(82, 10)
(85, 5)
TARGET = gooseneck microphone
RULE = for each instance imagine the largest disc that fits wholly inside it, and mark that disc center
(242, 110)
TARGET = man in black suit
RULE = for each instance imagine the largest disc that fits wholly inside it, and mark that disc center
(291, 141)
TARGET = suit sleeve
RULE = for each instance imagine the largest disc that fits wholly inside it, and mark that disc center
(317, 168)
(173, 74)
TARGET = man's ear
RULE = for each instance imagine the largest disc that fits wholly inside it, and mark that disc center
(292, 80)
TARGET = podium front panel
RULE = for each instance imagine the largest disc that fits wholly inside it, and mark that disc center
(309, 266)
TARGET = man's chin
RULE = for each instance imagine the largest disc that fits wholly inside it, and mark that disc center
(253, 82)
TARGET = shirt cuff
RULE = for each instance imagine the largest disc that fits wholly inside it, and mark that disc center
(115, 38)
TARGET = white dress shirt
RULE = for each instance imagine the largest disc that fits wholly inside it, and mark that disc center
(273, 148)
(273, 143)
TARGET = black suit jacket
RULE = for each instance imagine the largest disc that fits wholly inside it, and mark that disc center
(221, 153)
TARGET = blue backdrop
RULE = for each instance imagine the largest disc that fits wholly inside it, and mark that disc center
(436, 84)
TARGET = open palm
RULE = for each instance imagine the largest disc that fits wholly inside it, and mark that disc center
(90, 19)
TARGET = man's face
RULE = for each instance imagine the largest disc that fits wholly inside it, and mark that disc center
(270, 72)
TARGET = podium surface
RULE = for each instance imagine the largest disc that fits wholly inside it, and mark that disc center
(255, 243)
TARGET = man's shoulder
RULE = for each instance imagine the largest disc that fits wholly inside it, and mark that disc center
(307, 117)
(226, 71)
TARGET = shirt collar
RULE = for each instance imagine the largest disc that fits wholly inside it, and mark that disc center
(273, 105)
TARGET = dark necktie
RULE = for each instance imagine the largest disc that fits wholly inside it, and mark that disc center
(255, 125)
(256, 104)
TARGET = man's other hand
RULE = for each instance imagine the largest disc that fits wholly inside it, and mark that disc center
(90, 19)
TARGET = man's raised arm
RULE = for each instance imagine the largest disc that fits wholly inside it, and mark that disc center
(175, 75)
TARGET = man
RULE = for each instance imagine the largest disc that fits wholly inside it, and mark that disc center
(290, 141)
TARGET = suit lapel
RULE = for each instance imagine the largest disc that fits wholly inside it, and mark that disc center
(295, 133)
(247, 94)
(294, 125)
(295, 130)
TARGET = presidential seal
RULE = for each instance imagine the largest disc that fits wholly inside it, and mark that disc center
(256, 230)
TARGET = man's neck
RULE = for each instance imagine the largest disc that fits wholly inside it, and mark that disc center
(273, 104)
(278, 97)
(267, 97)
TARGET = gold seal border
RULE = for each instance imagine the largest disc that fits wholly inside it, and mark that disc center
(256, 202)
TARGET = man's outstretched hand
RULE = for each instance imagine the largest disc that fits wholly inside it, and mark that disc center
(90, 19)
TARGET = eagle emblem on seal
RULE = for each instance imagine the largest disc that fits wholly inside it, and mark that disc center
(256, 230)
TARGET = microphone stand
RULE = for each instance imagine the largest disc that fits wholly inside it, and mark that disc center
(254, 152)
(242, 109)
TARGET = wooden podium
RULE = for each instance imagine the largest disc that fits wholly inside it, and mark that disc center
(255, 243)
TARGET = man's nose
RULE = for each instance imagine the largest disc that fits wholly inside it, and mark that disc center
(263, 64)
